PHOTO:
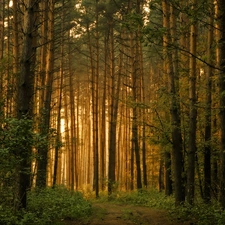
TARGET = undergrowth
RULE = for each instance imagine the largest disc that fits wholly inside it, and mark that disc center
(54, 206)
(48, 207)
(150, 198)
(199, 214)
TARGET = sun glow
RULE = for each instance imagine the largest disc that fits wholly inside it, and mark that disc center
(10, 3)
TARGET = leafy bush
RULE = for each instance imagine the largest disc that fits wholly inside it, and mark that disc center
(48, 207)
(200, 214)
(150, 198)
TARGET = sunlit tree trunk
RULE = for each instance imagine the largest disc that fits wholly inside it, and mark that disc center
(103, 118)
(73, 141)
(16, 46)
(95, 107)
(67, 137)
(10, 78)
(143, 131)
(57, 168)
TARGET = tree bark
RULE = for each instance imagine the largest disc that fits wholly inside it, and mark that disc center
(192, 112)
(208, 117)
(221, 14)
(25, 99)
(177, 152)
(45, 124)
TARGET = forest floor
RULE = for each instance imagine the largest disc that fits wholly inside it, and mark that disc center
(113, 214)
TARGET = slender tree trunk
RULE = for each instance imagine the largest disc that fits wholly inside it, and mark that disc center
(144, 148)
(73, 141)
(215, 122)
(208, 117)
(58, 129)
(2, 31)
(95, 105)
(113, 116)
(221, 7)
(103, 119)
(43, 151)
(192, 113)
(135, 86)
(16, 46)
(67, 139)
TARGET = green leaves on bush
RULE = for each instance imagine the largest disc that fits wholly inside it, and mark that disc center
(48, 207)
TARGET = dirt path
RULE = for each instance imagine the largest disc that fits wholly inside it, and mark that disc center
(113, 214)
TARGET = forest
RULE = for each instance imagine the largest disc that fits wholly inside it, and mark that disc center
(111, 97)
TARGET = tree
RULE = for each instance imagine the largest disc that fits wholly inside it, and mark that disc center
(113, 108)
(47, 81)
(208, 114)
(177, 145)
(25, 99)
(221, 14)
(192, 110)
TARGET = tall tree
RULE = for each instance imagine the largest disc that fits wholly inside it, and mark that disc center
(25, 98)
(2, 29)
(48, 78)
(95, 99)
(113, 109)
(177, 145)
(134, 36)
(192, 109)
(221, 16)
(208, 114)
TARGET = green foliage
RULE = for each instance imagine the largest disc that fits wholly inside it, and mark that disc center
(150, 198)
(200, 214)
(17, 138)
(48, 206)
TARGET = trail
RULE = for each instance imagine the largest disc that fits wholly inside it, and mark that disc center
(113, 214)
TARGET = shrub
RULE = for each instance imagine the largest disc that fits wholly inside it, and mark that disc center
(47, 207)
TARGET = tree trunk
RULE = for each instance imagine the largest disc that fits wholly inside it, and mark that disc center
(208, 117)
(43, 151)
(192, 112)
(25, 99)
(177, 153)
(95, 108)
(113, 115)
(221, 7)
